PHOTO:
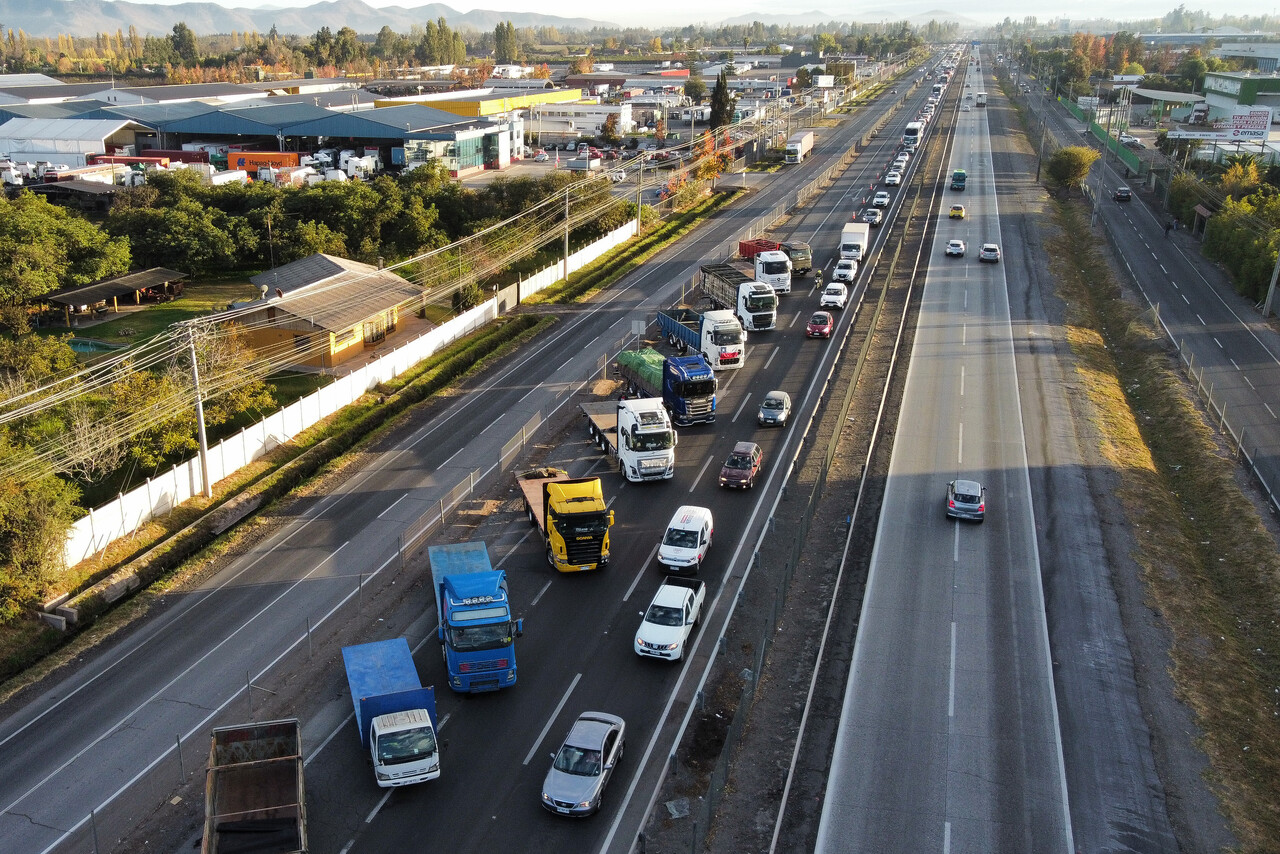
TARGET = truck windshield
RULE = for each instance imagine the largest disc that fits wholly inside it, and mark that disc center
(663, 615)
(697, 388)
(799, 255)
(660, 441)
(774, 268)
(721, 337)
(476, 638)
(410, 745)
(764, 302)
(582, 524)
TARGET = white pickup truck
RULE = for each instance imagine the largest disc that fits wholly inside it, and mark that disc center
(667, 624)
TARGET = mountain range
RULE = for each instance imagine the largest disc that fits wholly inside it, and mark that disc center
(88, 17)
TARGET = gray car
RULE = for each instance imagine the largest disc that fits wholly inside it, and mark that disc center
(775, 409)
(581, 768)
(966, 499)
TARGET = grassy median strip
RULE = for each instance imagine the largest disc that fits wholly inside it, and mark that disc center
(1210, 566)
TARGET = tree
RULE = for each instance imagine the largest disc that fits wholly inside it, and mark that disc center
(1069, 167)
(722, 102)
(583, 64)
(1241, 177)
(45, 247)
(660, 129)
(609, 131)
(34, 518)
(506, 47)
(804, 78)
(184, 45)
(1192, 70)
(696, 88)
(467, 296)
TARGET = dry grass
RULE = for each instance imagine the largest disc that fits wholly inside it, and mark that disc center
(1210, 567)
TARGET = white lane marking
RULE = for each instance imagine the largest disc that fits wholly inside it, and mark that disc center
(1269, 409)
(451, 456)
(770, 359)
(644, 570)
(551, 720)
(741, 406)
(1249, 381)
(1163, 270)
(960, 445)
(1216, 341)
(1233, 363)
(1201, 319)
(798, 315)
(393, 504)
(964, 334)
(374, 812)
(701, 472)
(1184, 299)
(951, 695)
(512, 550)
(946, 837)
(562, 367)
(544, 589)
(527, 393)
(962, 380)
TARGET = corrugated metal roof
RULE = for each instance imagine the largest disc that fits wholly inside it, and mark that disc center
(256, 119)
(114, 287)
(78, 129)
(191, 91)
(7, 80)
(158, 116)
(60, 110)
(335, 293)
(74, 185)
(53, 91)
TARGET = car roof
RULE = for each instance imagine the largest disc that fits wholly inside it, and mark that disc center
(966, 486)
(590, 729)
(824, 315)
(689, 516)
(989, 246)
(777, 395)
(954, 242)
(745, 447)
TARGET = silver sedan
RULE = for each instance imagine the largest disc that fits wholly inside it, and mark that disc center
(581, 768)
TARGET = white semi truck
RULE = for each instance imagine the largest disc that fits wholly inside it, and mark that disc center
(637, 433)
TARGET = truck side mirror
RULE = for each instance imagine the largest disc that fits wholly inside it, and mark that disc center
(610, 517)
(440, 633)
(675, 438)
(520, 627)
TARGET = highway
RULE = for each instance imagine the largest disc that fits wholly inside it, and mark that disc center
(102, 737)
(949, 738)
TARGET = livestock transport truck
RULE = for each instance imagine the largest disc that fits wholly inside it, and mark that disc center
(572, 516)
(686, 384)
(715, 334)
(754, 303)
(254, 798)
(637, 433)
(476, 631)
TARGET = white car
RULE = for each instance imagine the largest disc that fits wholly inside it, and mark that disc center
(955, 248)
(881, 200)
(541, 157)
(834, 296)
(687, 540)
(846, 270)
(893, 179)
(965, 108)
(617, 176)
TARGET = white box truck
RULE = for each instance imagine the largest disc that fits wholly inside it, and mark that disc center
(855, 240)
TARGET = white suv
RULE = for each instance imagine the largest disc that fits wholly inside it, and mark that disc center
(834, 296)
(687, 540)
(881, 200)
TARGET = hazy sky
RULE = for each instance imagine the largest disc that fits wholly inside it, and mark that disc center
(668, 12)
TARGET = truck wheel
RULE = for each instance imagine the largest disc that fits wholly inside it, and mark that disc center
(551, 557)
(671, 339)
(533, 520)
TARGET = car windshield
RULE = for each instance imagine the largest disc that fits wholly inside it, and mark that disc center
(410, 745)
(579, 761)
(772, 403)
(664, 615)
(680, 538)
(818, 320)
(835, 291)
(476, 638)
(738, 461)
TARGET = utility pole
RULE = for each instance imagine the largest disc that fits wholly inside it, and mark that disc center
(204, 439)
(566, 235)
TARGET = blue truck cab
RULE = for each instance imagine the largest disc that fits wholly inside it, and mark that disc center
(476, 631)
(689, 387)
(395, 714)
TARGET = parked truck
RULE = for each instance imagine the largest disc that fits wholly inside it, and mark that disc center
(855, 240)
(754, 303)
(476, 631)
(254, 799)
(636, 432)
(799, 253)
(395, 714)
(686, 384)
(572, 516)
(670, 618)
(958, 179)
(799, 146)
(715, 334)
